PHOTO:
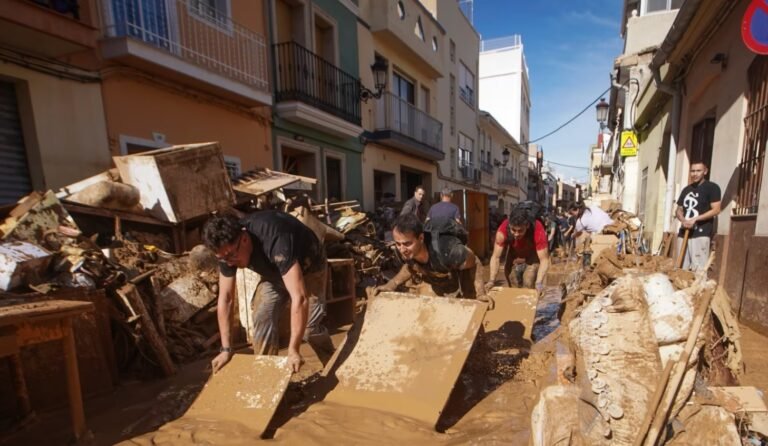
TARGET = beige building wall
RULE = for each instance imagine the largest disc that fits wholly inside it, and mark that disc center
(712, 90)
(410, 64)
(63, 126)
(383, 159)
(498, 139)
(595, 163)
(652, 156)
(463, 41)
(647, 31)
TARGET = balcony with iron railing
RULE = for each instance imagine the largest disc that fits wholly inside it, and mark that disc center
(507, 178)
(190, 42)
(486, 167)
(303, 76)
(399, 124)
(469, 172)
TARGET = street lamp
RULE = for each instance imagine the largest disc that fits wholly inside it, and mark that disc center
(379, 69)
(504, 158)
(602, 108)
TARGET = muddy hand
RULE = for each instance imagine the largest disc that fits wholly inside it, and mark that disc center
(380, 289)
(295, 361)
(220, 361)
(489, 300)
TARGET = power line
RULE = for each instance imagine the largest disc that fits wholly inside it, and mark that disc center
(566, 165)
(572, 119)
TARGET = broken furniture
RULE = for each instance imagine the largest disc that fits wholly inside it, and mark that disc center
(25, 324)
(21, 263)
(179, 182)
(183, 236)
(340, 297)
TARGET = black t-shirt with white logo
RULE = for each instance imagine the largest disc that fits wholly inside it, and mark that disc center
(696, 199)
(279, 240)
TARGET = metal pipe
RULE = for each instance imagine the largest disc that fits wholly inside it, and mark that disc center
(669, 196)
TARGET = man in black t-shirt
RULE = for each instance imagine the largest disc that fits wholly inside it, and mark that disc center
(697, 207)
(452, 272)
(293, 267)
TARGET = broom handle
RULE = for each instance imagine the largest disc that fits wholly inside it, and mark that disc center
(683, 248)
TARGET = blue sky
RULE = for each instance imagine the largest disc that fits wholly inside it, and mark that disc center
(569, 46)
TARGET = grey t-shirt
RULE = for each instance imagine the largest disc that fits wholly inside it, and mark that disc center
(444, 209)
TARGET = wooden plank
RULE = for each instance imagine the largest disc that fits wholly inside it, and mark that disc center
(24, 312)
(30, 333)
(513, 313)
(409, 354)
(73, 381)
(238, 403)
(680, 367)
(8, 344)
(74, 208)
(20, 385)
(156, 288)
(148, 329)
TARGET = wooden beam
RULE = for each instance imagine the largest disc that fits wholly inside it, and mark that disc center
(148, 329)
(73, 381)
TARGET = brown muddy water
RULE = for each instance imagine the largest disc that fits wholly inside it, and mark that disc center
(490, 404)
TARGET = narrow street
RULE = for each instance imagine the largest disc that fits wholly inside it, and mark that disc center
(383, 222)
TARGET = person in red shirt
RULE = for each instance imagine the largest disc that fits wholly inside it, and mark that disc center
(527, 259)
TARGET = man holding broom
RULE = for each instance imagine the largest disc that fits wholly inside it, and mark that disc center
(697, 207)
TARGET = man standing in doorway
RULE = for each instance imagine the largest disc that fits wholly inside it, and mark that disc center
(445, 208)
(697, 207)
(416, 205)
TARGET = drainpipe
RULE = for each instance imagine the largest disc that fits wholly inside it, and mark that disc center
(677, 104)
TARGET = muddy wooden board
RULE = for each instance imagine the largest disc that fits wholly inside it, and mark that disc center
(409, 354)
(234, 407)
(514, 310)
(246, 390)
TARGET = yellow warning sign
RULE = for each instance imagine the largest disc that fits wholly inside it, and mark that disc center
(628, 143)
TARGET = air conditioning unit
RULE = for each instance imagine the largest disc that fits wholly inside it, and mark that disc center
(466, 171)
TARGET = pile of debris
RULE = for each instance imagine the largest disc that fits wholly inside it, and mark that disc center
(131, 231)
(159, 303)
(651, 349)
(352, 234)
